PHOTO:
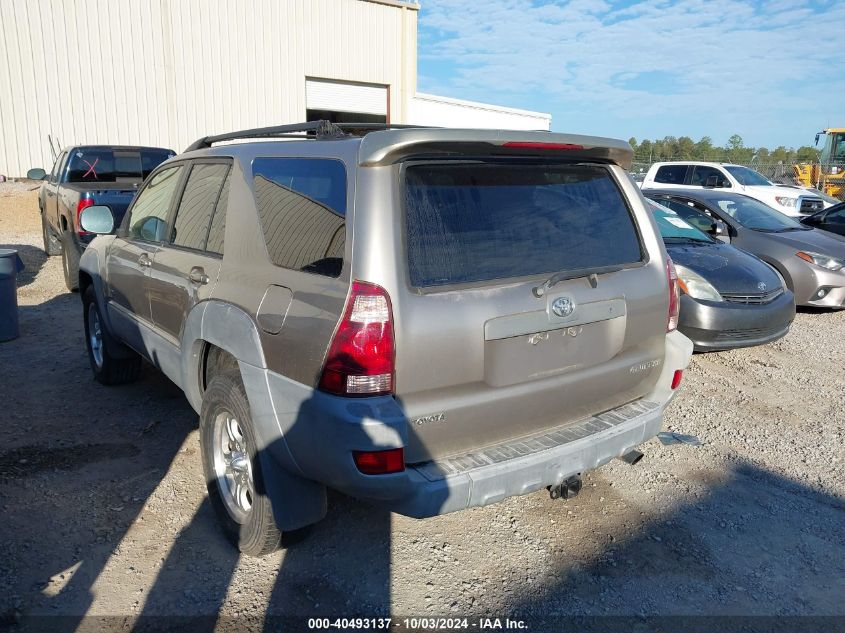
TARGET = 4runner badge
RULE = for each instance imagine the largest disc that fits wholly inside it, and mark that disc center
(651, 364)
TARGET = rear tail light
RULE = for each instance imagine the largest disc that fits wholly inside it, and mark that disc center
(360, 359)
(84, 203)
(674, 296)
(380, 462)
(676, 378)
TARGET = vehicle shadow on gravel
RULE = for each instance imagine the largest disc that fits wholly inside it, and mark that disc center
(338, 567)
(33, 259)
(755, 543)
(815, 310)
(78, 465)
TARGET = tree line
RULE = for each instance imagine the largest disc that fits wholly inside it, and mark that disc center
(735, 151)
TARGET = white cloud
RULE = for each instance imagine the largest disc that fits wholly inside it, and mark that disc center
(727, 65)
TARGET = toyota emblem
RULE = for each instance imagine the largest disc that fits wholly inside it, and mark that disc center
(563, 306)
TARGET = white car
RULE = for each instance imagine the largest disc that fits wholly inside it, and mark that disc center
(697, 174)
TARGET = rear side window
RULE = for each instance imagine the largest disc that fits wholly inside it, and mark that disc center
(705, 176)
(196, 208)
(476, 222)
(302, 208)
(671, 174)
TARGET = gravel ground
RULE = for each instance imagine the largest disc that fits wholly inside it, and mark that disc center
(104, 509)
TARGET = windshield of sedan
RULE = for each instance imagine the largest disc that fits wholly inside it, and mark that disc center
(673, 227)
(747, 176)
(754, 215)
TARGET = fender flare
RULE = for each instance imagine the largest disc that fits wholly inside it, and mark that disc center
(296, 501)
(221, 324)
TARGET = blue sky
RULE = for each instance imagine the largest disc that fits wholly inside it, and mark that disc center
(772, 71)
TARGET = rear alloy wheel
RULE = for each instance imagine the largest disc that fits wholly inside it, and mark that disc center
(232, 469)
(232, 466)
(111, 362)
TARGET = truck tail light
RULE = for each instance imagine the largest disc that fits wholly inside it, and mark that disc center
(360, 361)
(674, 296)
(83, 203)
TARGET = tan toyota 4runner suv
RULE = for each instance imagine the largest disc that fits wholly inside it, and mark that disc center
(428, 319)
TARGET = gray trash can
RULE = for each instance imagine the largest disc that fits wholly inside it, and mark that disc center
(10, 266)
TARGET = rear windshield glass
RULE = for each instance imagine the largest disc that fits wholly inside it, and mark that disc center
(102, 164)
(671, 174)
(475, 222)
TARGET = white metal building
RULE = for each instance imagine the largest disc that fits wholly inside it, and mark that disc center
(165, 72)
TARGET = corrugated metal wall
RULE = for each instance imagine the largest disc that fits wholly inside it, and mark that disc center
(426, 109)
(165, 72)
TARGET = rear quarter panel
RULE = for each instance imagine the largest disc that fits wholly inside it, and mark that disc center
(297, 351)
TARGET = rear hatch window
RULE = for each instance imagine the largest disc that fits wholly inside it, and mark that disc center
(485, 221)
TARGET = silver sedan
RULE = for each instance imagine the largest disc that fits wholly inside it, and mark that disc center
(812, 262)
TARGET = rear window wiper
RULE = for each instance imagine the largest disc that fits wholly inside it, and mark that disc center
(575, 273)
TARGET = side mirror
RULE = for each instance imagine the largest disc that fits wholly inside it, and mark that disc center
(36, 173)
(712, 182)
(97, 219)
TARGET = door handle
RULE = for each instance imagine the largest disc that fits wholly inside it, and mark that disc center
(144, 260)
(198, 276)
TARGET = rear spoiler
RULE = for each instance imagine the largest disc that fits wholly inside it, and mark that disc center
(390, 146)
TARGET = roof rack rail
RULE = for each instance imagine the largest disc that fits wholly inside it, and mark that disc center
(321, 130)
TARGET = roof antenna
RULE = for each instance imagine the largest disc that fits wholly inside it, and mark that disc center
(593, 278)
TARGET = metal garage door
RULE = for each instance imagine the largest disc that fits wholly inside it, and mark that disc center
(338, 96)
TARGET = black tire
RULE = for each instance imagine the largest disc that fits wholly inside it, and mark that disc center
(70, 263)
(52, 246)
(118, 365)
(254, 532)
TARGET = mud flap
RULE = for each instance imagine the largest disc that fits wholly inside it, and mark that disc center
(297, 502)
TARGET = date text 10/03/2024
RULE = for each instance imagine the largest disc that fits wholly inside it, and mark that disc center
(424, 623)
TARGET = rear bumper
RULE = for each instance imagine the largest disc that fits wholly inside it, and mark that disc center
(312, 435)
(722, 325)
(528, 464)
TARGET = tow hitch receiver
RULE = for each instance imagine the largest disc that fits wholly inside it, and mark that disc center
(567, 489)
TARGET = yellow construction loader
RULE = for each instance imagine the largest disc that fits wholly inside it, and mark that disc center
(828, 175)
